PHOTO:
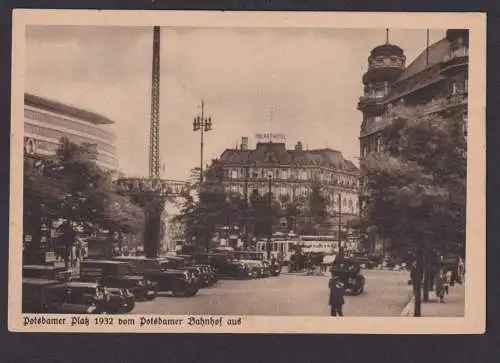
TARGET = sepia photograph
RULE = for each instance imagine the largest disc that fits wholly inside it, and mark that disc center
(203, 172)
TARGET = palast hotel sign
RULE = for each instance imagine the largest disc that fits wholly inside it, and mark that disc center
(270, 137)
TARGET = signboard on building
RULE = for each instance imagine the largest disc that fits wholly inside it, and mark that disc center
(270, 137)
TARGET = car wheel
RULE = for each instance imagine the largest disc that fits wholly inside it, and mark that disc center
(154, 295)
(130, 307)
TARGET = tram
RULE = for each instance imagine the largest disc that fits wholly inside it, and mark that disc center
(283, 248)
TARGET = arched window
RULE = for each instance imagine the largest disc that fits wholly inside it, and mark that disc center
(453, 88)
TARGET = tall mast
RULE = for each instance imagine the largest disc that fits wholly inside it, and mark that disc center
(154, 142)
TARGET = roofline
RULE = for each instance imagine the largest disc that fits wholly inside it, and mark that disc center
(58, 107)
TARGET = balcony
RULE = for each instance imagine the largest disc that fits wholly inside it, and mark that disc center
(442, 104)
(370, 102)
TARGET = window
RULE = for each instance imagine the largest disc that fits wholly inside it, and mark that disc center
(453, 88)
(234, 173)
(379, 93)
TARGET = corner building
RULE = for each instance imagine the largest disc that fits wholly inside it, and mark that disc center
(47, 121)
(293, 171)
(436, 82)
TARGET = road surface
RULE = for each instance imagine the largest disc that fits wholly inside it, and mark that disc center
(386, 293)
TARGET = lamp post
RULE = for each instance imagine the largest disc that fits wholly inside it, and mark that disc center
(269, 206)
(245, 195)
(203, 124)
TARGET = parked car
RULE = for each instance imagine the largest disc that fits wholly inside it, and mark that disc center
(365, 262)
(179, 282)
(275, 267)
(93, 298)
(47, 272)
(224, 265)
(257, 269)
(208, 272)
(180, 263)
(349, 272)
(118, 274)
(41, 295)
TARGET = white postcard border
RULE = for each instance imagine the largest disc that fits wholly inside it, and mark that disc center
(474, 320)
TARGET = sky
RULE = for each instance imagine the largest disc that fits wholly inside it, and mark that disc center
(309, 80)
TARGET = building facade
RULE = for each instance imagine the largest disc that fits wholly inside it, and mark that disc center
(436, 82)
(47, 121)
(292, 172)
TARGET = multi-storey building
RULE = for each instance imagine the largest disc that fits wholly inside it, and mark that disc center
(47, 121)
(292, 173)
(435, 82)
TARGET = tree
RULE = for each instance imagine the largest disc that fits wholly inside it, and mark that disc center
(72, 186)
(292, 214)
(417, 189)
(204, 208)
(263, 218)
(317, 204)
(42, 197)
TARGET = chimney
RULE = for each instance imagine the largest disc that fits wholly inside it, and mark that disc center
(244, 143)
(298, 146)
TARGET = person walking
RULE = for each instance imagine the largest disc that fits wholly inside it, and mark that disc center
(441, 285)
(337, 293)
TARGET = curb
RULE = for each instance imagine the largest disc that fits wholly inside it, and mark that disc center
(408, 309)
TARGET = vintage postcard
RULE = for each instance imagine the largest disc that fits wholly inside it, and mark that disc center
(220, 172)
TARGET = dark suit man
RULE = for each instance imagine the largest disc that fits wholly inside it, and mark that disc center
(337, 293)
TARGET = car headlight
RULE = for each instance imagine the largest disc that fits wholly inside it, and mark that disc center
(141, 283)
(186, 275)
(91, 309)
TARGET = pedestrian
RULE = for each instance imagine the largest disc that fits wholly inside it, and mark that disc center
(460, 270)
(448, 275)
(441, 285)
(337, 293)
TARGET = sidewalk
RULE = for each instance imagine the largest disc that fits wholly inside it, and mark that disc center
(454, 304)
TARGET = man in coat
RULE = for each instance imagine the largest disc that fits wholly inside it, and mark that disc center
(337, 293)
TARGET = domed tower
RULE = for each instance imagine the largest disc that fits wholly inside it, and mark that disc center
(385, 64)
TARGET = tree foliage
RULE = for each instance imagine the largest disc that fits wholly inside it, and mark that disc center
(71, 185)
(417, 185)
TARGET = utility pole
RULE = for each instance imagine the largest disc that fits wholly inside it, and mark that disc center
(203, 124)
(269, 206)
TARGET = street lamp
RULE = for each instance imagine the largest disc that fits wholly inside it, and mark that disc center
(269, 205)
(203, 124)
(245, 195)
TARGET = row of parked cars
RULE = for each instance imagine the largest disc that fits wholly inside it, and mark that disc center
(110, 285)
(115, 285)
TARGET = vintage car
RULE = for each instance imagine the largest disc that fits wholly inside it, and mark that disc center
(257, 269)
(41, 295)
(117, 274)
(47, 272)
(179, 282)
(365, 262)
(209, 276)
(349, 272)
(180, 263)
(224, 265)
(93, 298)
(272, 267)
